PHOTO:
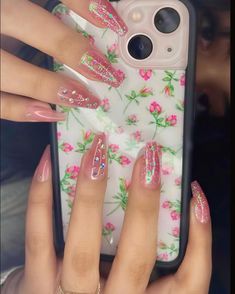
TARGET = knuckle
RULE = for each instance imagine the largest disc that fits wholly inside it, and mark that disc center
(137, 268)
(82, 263)
(36, 244)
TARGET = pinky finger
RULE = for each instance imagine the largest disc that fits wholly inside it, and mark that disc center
(23, 109)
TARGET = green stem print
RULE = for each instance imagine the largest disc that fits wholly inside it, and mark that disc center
(104, 32)
(59, 10)
(87, 138)
(71, 112)
(170, 77)
(170, 249)
(114, 155)
(159, 120)
(58, 66)
(121, 198)
(107, 232)
(134, 96)
(85, 34)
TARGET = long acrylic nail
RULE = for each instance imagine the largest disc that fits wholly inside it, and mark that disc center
(96, 64)
(77, 97)
(97, 160)
(105, 14)
(43, 170)
(201, 207)
(43, 114)
(150, 171)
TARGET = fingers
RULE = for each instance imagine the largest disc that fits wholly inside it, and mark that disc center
(82, 250)
(137, 247)
(100, 13)
(43, 85)
(59, 41)
(195, 271)
(22, 109)
(40, 255)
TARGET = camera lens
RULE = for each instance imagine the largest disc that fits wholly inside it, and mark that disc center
(140, 47)
(167, 20)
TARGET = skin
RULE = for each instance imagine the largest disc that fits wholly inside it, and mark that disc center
(79, 269)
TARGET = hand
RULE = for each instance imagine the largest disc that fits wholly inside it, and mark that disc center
(22, 82)
(136, 254)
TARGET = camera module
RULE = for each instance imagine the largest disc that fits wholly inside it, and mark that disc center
(167, 20)
(140, 47)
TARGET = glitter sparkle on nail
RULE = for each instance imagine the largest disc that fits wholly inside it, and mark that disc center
(99, 161)
(104, 12)
(76, 98)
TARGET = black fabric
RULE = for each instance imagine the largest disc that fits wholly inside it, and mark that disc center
(211, 167)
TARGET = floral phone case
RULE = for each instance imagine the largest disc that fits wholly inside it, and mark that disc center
(149, 105)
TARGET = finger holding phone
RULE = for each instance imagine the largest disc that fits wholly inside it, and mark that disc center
(78, 272)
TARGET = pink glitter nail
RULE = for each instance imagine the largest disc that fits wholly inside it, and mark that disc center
(150, 175)
(105, 14)
(201, 208)
(98, 157)
(77, 97)
(96, 64)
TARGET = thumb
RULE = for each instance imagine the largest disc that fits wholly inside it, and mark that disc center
(195, 270)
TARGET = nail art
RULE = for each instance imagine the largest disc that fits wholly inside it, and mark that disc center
(95, 64)
(201, 207)
(98, 161)
(43, 114)
(150, 175)
(104, 13)
(77, 97)
(43, 170)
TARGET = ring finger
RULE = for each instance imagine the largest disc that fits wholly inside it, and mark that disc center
(80, 271)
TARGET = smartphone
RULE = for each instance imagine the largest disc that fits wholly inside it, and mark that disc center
(155, 102)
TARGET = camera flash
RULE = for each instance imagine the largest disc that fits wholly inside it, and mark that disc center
(136, 16)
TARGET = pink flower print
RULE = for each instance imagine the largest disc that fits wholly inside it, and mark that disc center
(105, 104)
(155, 107)
(66, 147)
(121, 75)
(91, 39)
(145, 92)
(58, 135)
(127, 184)
(114, 147)
(123, 160)
(132, 119)
(163, 257)
(175, 232)
(71, 191)
(182, 80)
(178, 181)
(119, 130)
(167, 91)
(109, 227)
(137, 136)
(146, 73)
(113, 48)
(72, 171)
(172, 120)
(167, 170)
(175, 215)
(166, 204)
(87, 135)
